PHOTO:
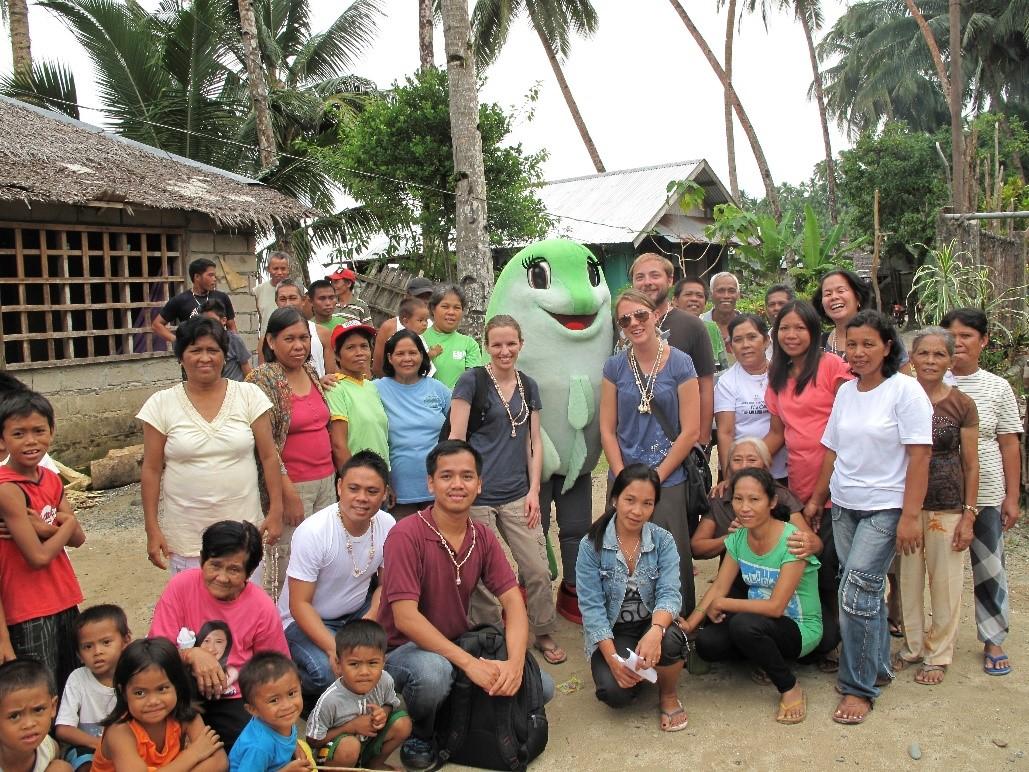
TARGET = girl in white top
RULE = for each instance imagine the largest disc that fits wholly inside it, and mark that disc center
(199, 439)
(740, 409)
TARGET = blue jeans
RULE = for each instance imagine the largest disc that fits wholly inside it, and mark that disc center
(866, 542)
(423, 678)
(315, 671)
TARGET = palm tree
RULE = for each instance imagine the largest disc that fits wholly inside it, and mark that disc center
(957, 136)
(176, 79)
(426, 19)
(730, 141)
(554, 21)
(16, 14)
(474, 259)
(748, 128)
(256, 82)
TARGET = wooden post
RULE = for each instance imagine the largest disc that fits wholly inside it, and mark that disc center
(877, 240)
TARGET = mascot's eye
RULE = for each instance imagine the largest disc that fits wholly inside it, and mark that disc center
(593, 271)
(539, 275)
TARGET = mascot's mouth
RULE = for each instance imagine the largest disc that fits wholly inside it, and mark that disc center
(577, 322)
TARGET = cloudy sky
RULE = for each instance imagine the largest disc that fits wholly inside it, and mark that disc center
(645, 90)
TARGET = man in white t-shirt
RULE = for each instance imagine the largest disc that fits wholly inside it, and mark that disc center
(264, 293)
(334, 555)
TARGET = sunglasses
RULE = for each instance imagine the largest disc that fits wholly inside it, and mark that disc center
(640, 315)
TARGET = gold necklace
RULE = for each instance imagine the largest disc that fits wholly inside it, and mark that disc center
(646, 387)
(350, 545)
(523, 411)
(450, 552)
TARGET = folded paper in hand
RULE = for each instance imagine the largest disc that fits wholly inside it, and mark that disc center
(633, 662)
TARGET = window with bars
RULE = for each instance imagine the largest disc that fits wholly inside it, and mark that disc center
(81, 294)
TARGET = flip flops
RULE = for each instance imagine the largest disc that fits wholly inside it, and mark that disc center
(668, 716)
(783, 708)
(990, 664)
(553, 654)
(920, 675)
(854, 720)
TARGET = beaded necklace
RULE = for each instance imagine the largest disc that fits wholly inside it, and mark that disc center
(450, 552)
(523, 411)
(357, 571)
(646, 386)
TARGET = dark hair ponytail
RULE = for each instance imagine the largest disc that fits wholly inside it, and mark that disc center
(629, 474)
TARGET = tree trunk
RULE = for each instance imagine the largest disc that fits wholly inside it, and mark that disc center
(747, 126)
(474, 260)
(957, 138)
(730, 141)
(934, 49)
(573, 108)
(425, 23)
(830, 166)
(21, 41)
(257, 83)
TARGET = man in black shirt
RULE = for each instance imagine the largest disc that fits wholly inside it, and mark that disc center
(187, 304)
(653, 274)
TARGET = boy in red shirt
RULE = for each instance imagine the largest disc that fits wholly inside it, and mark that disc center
(38, 587)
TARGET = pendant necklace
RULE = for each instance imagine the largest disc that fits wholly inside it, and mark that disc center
(450, 552)
(523, 411)
(646, 386)
(357, 571)
(630, 558)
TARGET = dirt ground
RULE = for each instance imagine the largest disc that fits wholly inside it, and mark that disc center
(972, 721)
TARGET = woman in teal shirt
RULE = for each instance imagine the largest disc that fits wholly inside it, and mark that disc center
(781, 618)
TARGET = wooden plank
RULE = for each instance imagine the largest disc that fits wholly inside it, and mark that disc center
(87, 279)
(86, 360)
(45, 259)
(94, 228)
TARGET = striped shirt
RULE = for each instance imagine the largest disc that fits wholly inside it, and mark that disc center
(998, 414)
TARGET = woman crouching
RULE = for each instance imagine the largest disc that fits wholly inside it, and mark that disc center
(781, 619)
(627, 576)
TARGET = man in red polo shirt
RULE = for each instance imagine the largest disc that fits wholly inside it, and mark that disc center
(432, 561)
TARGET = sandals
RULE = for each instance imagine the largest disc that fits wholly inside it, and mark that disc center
(553, 654)
(668, 719)
(920, 676)
(896, 629)
(851, 720)
(784, 709)
(990, 664)
(760, 677)
(900, 663)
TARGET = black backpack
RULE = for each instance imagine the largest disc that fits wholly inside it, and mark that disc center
(486, 732)
(480, 404)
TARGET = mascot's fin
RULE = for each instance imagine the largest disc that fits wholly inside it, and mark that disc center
(580, 402)
(551, 459)
(580, 412)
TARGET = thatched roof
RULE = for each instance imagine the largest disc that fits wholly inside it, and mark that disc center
(49, 157)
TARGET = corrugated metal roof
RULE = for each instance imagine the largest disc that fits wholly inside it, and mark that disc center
(613, 207)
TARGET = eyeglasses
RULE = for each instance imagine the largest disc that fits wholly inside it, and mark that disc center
(640, 315)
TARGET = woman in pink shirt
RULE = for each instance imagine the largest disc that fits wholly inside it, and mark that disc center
(300, 421)
(802, 384)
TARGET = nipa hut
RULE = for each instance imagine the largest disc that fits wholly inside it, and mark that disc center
(96, 233)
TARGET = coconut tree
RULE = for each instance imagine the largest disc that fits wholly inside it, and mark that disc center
(730, 141)
(426, 20)
(555, 22)
(748, 128)
(474, 259)
(16, 14)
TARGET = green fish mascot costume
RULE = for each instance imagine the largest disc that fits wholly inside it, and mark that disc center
(556, 291)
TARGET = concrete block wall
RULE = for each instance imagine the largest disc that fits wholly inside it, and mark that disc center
(96, 404)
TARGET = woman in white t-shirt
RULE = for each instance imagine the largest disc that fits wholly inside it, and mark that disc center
(334, 556)
(199, 442)
(999, 455)
(878, 441)
(740, 409)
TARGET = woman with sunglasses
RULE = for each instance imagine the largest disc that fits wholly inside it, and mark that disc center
(649, 385)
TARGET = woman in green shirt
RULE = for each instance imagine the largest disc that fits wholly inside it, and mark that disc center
(357, 419)
(452, 352)
(781, 618)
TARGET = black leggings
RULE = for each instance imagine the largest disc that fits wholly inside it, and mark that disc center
(627, 635)
(574, 516)
(765, 641)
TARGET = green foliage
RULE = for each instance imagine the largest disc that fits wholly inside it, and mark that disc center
(397, 158)
(763, 249)
(49, 85)
(689, 193)
(949, 280)
(905, 167)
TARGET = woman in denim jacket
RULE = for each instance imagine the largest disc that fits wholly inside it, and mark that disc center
(627, 576)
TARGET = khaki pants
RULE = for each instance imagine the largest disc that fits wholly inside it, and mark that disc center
(945, 570)
(529, 550)
(315, 495)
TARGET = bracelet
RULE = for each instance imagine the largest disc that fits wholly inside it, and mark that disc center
(660, 627)
(970, 508)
